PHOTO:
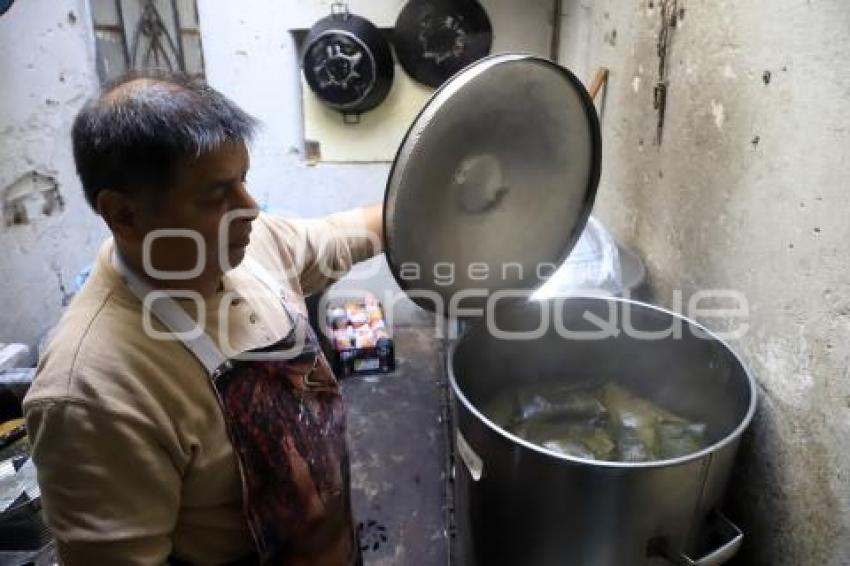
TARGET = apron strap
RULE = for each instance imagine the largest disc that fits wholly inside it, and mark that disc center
(185, 329)
(261, 273)
(172, 315)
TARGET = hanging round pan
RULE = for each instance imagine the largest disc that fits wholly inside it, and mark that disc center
(434, 39)
(493, 183)
(347, 62)
(5, 5)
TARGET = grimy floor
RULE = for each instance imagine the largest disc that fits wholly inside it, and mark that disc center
(398, 445)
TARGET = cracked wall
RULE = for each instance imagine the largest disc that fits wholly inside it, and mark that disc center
(746, 190)
(48, 233)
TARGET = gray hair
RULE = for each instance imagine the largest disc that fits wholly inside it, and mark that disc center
(133, 135)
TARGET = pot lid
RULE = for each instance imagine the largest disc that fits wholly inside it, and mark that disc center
(434, 39)
(492, 185)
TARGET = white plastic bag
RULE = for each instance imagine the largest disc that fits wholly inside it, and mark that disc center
(592, 268)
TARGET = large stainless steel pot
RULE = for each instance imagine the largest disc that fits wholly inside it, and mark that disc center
(524, 505)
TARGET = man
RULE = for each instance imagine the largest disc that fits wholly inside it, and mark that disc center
(133, 419)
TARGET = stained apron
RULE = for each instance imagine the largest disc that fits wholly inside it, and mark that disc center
(286, 421)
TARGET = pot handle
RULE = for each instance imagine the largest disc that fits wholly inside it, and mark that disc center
(474, 463)
(722, 554)
(340, 10)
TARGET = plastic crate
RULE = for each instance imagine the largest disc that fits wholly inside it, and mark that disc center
(358, 341)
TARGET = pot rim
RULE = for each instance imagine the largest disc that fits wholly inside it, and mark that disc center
(717, 446)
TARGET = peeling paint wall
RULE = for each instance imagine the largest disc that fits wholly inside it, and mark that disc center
(747, 190)
(48, 233)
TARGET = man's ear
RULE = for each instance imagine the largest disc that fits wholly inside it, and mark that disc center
(121, 213)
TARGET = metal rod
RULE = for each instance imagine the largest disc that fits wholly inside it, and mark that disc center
(178, 31)
(124, 40)
(555, 44)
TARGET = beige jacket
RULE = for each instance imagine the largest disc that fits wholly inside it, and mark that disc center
(133, 457)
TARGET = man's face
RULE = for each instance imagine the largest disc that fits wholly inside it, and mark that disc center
(208, 196)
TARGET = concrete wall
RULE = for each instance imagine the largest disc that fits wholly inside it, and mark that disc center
(48, 71)
(747, 190)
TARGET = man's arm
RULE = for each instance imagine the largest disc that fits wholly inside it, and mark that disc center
(374, 216)
(110, 493)
(322, 250)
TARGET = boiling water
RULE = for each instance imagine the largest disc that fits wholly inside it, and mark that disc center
(606, 422)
